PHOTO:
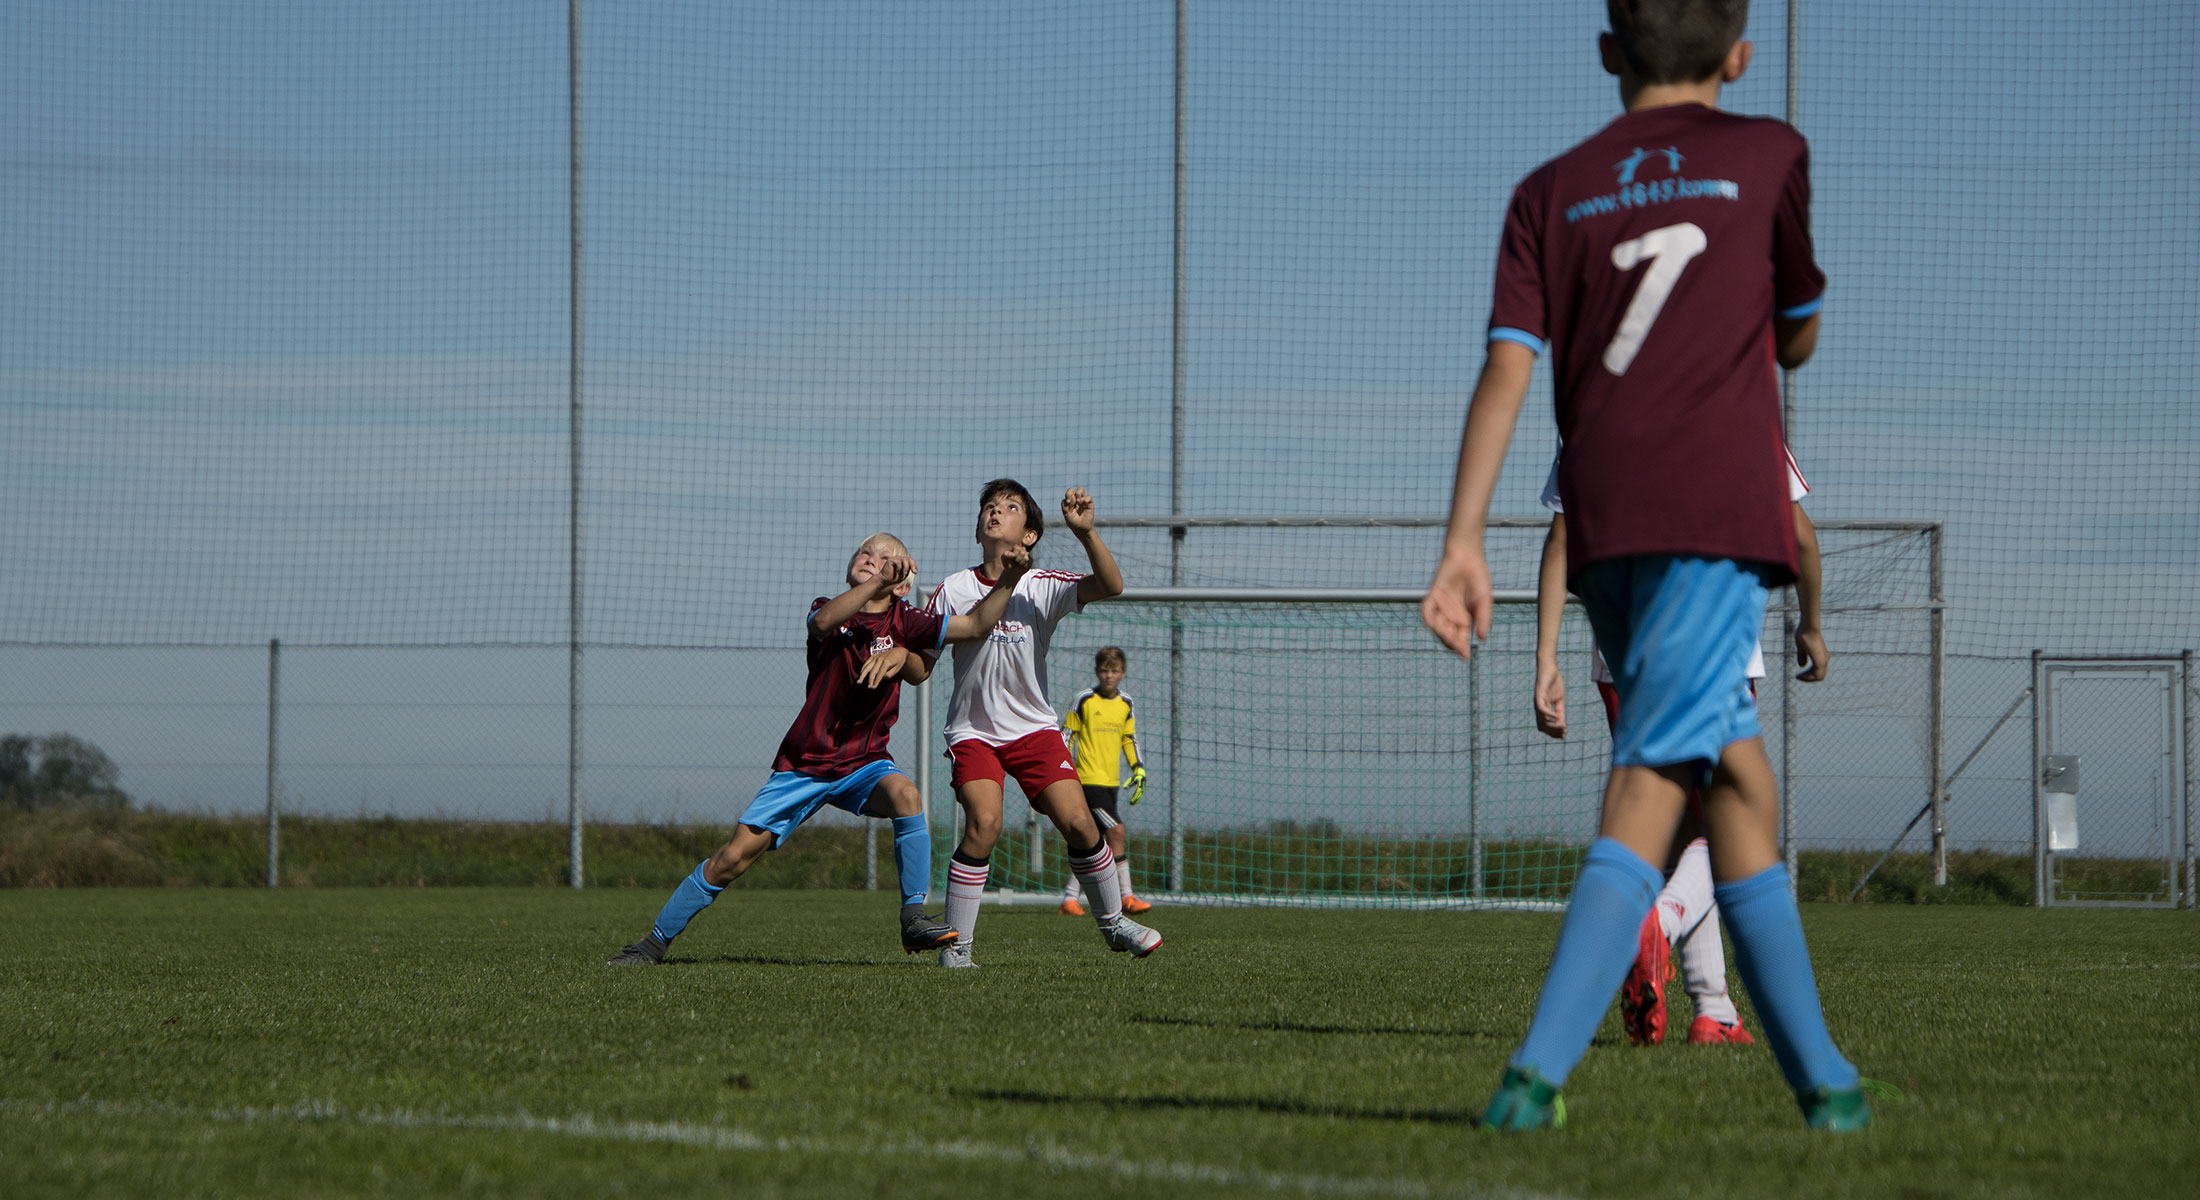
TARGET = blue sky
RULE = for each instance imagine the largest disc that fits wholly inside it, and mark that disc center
(283, 324)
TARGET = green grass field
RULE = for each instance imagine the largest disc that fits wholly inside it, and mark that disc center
(181, 1042)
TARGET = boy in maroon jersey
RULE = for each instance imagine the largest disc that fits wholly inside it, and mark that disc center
(835, 752)
(1657, 260)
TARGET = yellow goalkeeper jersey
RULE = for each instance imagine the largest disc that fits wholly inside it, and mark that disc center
(1102, 734)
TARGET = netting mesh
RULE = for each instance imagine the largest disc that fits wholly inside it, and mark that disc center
(285, 318)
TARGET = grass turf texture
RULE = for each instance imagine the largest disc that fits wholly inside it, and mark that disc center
(401, 1042)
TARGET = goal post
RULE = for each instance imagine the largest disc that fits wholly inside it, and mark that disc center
(1317, 747)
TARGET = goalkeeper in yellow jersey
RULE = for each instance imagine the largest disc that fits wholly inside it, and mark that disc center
(1102, 733)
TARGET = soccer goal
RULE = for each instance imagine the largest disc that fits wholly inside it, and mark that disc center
(1317, 747)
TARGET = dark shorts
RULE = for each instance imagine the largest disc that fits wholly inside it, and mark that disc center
(1036, 761)
(1102, 800)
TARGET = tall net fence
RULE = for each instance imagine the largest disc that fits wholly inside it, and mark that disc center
(288, 351)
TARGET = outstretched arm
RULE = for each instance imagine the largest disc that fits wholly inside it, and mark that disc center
(1810, 645)
(979, 621)
(835, 612)
(1457, 607)
(1550, 609)
(1106, 580)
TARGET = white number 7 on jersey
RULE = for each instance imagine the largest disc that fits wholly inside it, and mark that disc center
(1668, 250)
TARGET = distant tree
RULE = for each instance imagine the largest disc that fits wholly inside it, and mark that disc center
(58, 769)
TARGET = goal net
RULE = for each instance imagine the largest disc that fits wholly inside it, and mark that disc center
(1318, 748)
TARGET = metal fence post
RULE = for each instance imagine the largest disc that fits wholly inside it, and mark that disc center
(1788, 722)
(274, 762)
(870, 855)
(921, 739)
(1474, 773)
(575, 323)
(2184, 702)
(1937, 738)
(2039, 800)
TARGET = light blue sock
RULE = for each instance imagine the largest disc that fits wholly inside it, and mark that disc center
(692, 896)
(913, 858)
(1596, 945)
(1767, 932)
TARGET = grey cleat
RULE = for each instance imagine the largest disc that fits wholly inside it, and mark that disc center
(956, 956)
(645, 953)
(920, 933)
(1126, 934)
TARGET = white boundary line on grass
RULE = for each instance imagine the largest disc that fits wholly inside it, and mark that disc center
(721, 1137)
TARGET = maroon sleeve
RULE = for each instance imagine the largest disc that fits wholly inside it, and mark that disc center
(920, 629)
(807, 627)
(1797, 283)
(1517, 311)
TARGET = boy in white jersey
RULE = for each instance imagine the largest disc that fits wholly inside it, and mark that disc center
(1685, 914)
(1000, 724)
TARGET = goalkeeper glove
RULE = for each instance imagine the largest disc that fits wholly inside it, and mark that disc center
(1138, 784)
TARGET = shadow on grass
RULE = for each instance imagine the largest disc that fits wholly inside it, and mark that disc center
(768, 960)
(1289, 1108)
(1298, 1027)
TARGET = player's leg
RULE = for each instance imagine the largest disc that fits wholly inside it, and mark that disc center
(1052, 786)
(977, 780)
(1742, 807)
(1118, 839)
(1677, 642)
(696, 893)
(896, 799)
(1690, 921)
(1642, 991)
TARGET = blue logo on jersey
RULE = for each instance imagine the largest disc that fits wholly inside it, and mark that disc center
(1626, 166)
(1634, 193)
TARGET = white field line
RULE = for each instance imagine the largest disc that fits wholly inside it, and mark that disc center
(720, 1137)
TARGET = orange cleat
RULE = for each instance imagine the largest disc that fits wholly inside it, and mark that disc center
(1704, 1031)
(1642, 997)
(1134, 906)
(1071, 908)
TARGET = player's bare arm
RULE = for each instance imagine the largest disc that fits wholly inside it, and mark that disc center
(1794, 340)
(891, 571)
(979, 621)
(1810, 644)
(1457, 607)
(1106, 580)
(1550, 609)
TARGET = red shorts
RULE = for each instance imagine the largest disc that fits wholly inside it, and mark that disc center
(1037, 760)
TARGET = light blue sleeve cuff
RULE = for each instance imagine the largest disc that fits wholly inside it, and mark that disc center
(1805, 309)
(1506, 333)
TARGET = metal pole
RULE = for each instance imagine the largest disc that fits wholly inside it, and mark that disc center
(2039, 801)
(1474, 772)
(1176, 465)
(2185, 703)
(921, 739)
(1937, 736)
(870, 856)
(573, 798)
(273, 765)
(1787, 425)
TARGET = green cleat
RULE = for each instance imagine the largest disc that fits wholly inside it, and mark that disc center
(1845, 1111)
(1524, 1101)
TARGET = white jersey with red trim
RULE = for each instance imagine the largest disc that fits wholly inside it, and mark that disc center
(1001, 682)
(1797, 489)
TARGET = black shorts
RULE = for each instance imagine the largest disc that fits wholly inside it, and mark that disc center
(1102, 800)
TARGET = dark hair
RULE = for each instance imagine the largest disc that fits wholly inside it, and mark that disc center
(1676, 41)
(1033, 521)
(1109, 654)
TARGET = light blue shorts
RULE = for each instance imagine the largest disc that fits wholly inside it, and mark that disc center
(789, 798)
(1677, 633)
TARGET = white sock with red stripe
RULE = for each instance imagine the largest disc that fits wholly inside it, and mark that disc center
(965, 888)
(1692, 925)
(1072, 889)
(1123, 876)
(1096, 871)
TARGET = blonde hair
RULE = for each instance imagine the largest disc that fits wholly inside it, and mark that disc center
(898, 545)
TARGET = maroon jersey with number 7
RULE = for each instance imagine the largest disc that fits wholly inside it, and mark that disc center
(1651, 260)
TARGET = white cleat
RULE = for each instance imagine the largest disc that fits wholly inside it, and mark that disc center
(957, 955)
(1126, 934)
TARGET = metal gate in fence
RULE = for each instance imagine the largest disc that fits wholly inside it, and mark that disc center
(2112, 787)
